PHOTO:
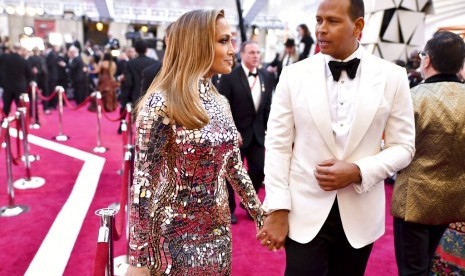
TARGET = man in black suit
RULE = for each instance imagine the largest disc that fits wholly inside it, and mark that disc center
(52, 67)
(152, 71)
(112, 43)
(148, 75)
(39, 75)
(133, 73)
(16, 75)
(249, 92)
(77, 74)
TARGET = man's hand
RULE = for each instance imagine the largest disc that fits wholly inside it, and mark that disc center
(275, 229)
(335, 174)
(239, 137)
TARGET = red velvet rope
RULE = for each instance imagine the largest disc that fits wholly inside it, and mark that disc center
(73, 107)
(17, 160)
(45, 98)
(122, 116)
(101, 259)
(121, 217)
(2, 136)
(27, 105)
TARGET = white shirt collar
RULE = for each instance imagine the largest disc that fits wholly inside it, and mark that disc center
(246, 70)
(356, 54)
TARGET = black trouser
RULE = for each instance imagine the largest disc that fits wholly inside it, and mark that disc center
(415, 245)
(80, 91)
(329, 253)
(8, 98)
(52, 103)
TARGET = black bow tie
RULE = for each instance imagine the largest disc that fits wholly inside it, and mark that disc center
(253, 74)
(351, 68)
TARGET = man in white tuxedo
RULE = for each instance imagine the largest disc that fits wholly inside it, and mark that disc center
(324, 165)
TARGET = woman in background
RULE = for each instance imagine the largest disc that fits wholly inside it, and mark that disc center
(306, 41)
(186, 145)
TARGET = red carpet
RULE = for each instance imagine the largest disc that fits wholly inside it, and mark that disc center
(22, 236)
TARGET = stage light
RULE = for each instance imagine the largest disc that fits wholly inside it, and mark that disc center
(144, 29)
(10, 10)
(40, 11)
(99, 26)
(31, 11)
(20, 10)
(28, 30)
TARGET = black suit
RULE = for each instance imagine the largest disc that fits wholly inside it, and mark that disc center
(133, 77)
(78, 79)
(41, 78)
(250, 123)
(52, 67)
(16, 75)
(148, 75)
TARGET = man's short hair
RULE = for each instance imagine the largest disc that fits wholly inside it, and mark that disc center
(446, 52)
(357, 9)
(140, 46)
(242, 48)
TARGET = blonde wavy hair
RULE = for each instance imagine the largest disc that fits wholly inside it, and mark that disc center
(187, 59)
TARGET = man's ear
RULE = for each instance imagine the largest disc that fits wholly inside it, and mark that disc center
(359, 24)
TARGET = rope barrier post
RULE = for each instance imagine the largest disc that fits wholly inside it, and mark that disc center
(34, 104)
(124, 132)
(60, 137)
(29, 182)
(122, 261)
(11, 210)
(105, 234)
(98, 98)
(25, 103)
(129, 121)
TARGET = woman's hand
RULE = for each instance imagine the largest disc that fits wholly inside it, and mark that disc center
(137, 271)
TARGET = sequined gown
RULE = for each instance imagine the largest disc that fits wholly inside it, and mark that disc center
(180, 219)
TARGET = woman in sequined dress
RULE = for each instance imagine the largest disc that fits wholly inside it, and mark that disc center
(186, 145)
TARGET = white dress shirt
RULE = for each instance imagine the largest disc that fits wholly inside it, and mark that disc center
(342, 96)
(255, 86)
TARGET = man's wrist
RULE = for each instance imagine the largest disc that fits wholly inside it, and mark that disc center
(358, 179)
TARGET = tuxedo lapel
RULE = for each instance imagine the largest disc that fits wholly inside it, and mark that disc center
(370, 94)
(318, 102)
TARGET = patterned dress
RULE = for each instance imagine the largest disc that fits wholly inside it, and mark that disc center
(180, 219)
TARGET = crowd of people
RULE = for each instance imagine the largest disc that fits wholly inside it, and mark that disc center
(79, 70)
(334, 125)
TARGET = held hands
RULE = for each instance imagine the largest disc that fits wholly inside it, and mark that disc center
(274, 231)
(137, 271)
(335, 174)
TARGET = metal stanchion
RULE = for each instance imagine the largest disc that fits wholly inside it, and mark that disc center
(122, 262)
(129, 120)
(29, 182)
(24, 98)
(105, 234)
(60, 137)
(98, 98)
(34, 104)
(11, 210)
(124, 131)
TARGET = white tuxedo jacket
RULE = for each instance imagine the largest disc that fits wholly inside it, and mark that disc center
(300, 136)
